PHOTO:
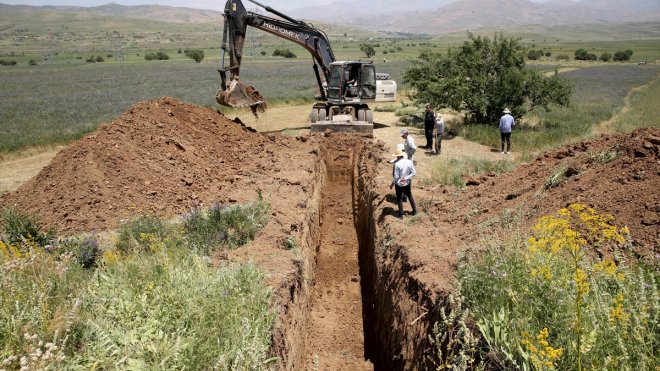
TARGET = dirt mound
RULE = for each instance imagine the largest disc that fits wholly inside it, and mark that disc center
(161, 156)
(616, 174)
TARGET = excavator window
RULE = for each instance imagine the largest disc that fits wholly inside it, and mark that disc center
(368, 81)
(334, 83)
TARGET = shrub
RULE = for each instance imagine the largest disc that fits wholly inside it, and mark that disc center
(145, 233)
(84, 250)
(286, 53)
(19, 227)
(562, 57)
(7, 63)
(197, 55)
(620, 56)
(160, 56)
(566, 300)
(32, 62)
(605, 57)
(263, 52)
(228, 227)
(534, 54)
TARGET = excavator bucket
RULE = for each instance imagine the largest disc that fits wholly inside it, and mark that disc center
(239, 95)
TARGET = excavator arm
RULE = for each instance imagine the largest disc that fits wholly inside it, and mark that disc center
(233, 92)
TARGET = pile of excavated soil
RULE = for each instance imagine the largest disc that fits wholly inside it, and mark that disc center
(627, 187)
(164, 157)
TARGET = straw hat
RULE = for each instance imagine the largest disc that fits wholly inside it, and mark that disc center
(399, 152)
(506, 110)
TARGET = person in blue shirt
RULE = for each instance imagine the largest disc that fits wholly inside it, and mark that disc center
(506, 124)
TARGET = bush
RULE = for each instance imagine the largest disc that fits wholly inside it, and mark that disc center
(7, 63)
(555, 304)
(160, 56)
(32, 62)
(286, 53)
(196, 55)
(228, 227)
(562, 57)
(622, 56)
(147, 233)
(534, 54)
(605, 57)
(18, 227)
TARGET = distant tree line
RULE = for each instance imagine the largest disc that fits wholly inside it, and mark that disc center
(620, 56)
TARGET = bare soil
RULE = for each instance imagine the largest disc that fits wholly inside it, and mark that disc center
(166, 156)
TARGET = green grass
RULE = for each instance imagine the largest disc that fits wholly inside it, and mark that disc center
(450, 172)
(515, 288)
(644, 110)
(155, 305)
(599, 93)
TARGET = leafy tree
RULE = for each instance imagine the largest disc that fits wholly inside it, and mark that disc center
(629, 53)
(196, 54)
(581, 54)
(482, 77)
(605, 57)
(368, 49)
(620, 56)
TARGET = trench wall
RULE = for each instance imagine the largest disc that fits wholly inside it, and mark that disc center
(395, 305)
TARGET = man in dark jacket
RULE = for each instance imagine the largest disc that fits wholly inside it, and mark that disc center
(429, 123)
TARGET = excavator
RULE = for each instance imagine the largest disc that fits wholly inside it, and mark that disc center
(345, 87)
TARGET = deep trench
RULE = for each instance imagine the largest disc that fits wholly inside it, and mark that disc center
(369, 313)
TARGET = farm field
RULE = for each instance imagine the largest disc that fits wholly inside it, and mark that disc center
(144, 227)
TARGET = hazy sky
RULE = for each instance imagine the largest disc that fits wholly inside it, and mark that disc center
(202, 4)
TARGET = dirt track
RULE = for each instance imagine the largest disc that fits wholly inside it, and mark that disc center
(166, 156)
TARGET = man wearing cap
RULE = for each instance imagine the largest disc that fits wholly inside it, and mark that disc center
(506, 124)
(404, 170)
(408, 144)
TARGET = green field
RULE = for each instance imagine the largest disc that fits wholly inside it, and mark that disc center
(55, 102)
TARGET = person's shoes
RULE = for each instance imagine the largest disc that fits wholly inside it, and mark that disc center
(399, 215)
(414, 212)
(507, 152)
(501, 153)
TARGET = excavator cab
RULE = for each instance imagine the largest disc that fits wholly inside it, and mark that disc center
(351, 82)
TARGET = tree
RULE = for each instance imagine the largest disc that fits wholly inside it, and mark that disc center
(583, 55)
(368, 50)
(605, 57)
(196, 54)
(482, 77)
(621, 56)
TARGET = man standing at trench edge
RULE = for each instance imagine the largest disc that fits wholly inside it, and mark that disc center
(404, 170)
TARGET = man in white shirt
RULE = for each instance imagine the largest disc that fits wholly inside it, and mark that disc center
(404, 171)
(439, 131)
(408, 144)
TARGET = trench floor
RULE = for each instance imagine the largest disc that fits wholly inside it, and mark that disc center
(335, 335)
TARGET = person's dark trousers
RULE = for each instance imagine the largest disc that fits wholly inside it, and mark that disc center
(506, 137)
(400, 192)
(428, 133)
